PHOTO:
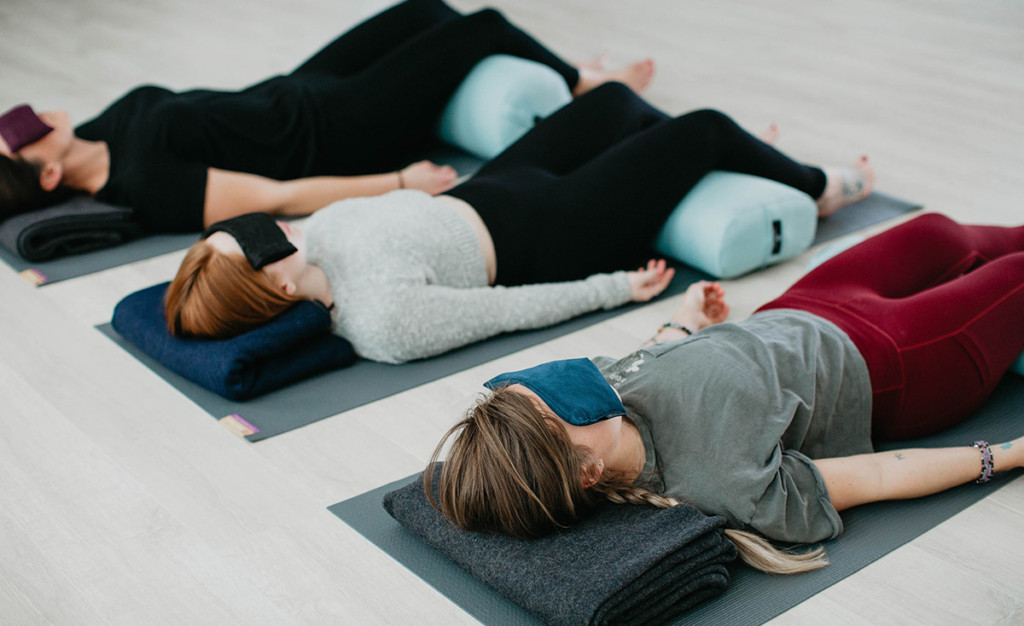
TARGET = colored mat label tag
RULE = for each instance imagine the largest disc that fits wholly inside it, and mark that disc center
(34, 276)
(237, 425)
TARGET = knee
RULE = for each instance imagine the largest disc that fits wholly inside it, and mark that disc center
(706, 126)
(932, 225)
(710, 117)
(934, 220)
(612, 94)
(488, 18)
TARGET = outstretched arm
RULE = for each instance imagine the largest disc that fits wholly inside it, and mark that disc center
(912, 473)
(229, 194)
(415, 322)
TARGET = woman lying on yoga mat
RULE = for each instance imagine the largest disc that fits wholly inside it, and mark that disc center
(410, 275)
(769, 421)
(287, 146)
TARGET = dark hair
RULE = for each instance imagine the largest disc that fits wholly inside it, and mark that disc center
(20, 190)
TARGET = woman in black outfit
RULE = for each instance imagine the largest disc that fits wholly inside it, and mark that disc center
(289, 145)
(589, 188)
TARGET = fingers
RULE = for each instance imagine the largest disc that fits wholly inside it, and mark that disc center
(651, 280)
(715, 307)
(654, 267)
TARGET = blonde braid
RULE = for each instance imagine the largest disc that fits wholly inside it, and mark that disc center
(637, 495)
(755, 550)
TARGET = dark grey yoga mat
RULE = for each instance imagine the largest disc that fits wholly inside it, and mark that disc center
(876, 208)
(332, 393)
(366, 381)
(46, 272)
(872, 531)
(64, 268)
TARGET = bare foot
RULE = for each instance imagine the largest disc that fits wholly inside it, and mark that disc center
(771, 135)
(636, 76)
(846, 185)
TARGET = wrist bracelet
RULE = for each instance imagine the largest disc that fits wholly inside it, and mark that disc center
(675, 325)
(401, 181)
(987, 466)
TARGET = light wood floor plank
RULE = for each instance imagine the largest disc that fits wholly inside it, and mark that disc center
(122, 502)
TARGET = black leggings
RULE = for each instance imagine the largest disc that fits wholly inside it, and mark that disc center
(383, 84)
(588, 189)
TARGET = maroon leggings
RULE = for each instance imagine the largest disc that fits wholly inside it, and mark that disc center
(936, 309)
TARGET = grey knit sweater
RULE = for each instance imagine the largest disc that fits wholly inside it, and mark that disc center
(409, 280)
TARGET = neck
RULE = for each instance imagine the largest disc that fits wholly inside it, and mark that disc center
(315, 285)
(87, 165)
(629, 455)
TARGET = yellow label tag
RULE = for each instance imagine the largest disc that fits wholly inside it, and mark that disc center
(34, 276)
(237, 425)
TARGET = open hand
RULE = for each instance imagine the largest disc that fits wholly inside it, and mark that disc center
(429, 177)
(703, 305)
(645, 283)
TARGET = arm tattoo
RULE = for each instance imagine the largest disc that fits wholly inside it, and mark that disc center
(899, 457)
(1006, 446)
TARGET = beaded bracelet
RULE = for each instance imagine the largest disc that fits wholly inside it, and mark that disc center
(987, 466)
(675, 325)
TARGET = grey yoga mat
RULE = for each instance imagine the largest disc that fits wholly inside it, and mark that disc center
(876, 208)
(872, 531)
(366, 381)
(64, 268)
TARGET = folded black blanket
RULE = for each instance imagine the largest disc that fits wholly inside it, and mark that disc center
(626, 564)
(295, 345)
(78, 225)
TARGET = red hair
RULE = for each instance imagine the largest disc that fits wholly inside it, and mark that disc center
(218, 296)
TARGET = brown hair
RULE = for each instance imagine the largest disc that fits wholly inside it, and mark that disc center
(217, 295)
(513, 470)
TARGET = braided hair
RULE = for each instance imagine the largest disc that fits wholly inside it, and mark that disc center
(513, 470)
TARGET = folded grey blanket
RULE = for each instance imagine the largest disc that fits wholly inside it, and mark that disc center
(78, 225)
(625, 564)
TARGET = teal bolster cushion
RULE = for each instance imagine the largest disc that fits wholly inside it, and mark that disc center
(498, 102)
(730, 224)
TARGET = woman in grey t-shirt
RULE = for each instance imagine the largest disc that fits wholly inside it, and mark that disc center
(767, 422)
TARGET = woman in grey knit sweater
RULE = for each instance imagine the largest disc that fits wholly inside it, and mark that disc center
(536, 237)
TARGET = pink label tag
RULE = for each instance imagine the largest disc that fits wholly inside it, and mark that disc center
(35, 277)
(237, 425)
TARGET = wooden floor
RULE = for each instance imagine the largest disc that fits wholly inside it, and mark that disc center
(123, 503)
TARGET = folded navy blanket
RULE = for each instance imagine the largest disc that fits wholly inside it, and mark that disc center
(626, 564)
(295, 345)
(78, 225)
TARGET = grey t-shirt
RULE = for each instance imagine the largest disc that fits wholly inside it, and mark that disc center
(732, 416)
